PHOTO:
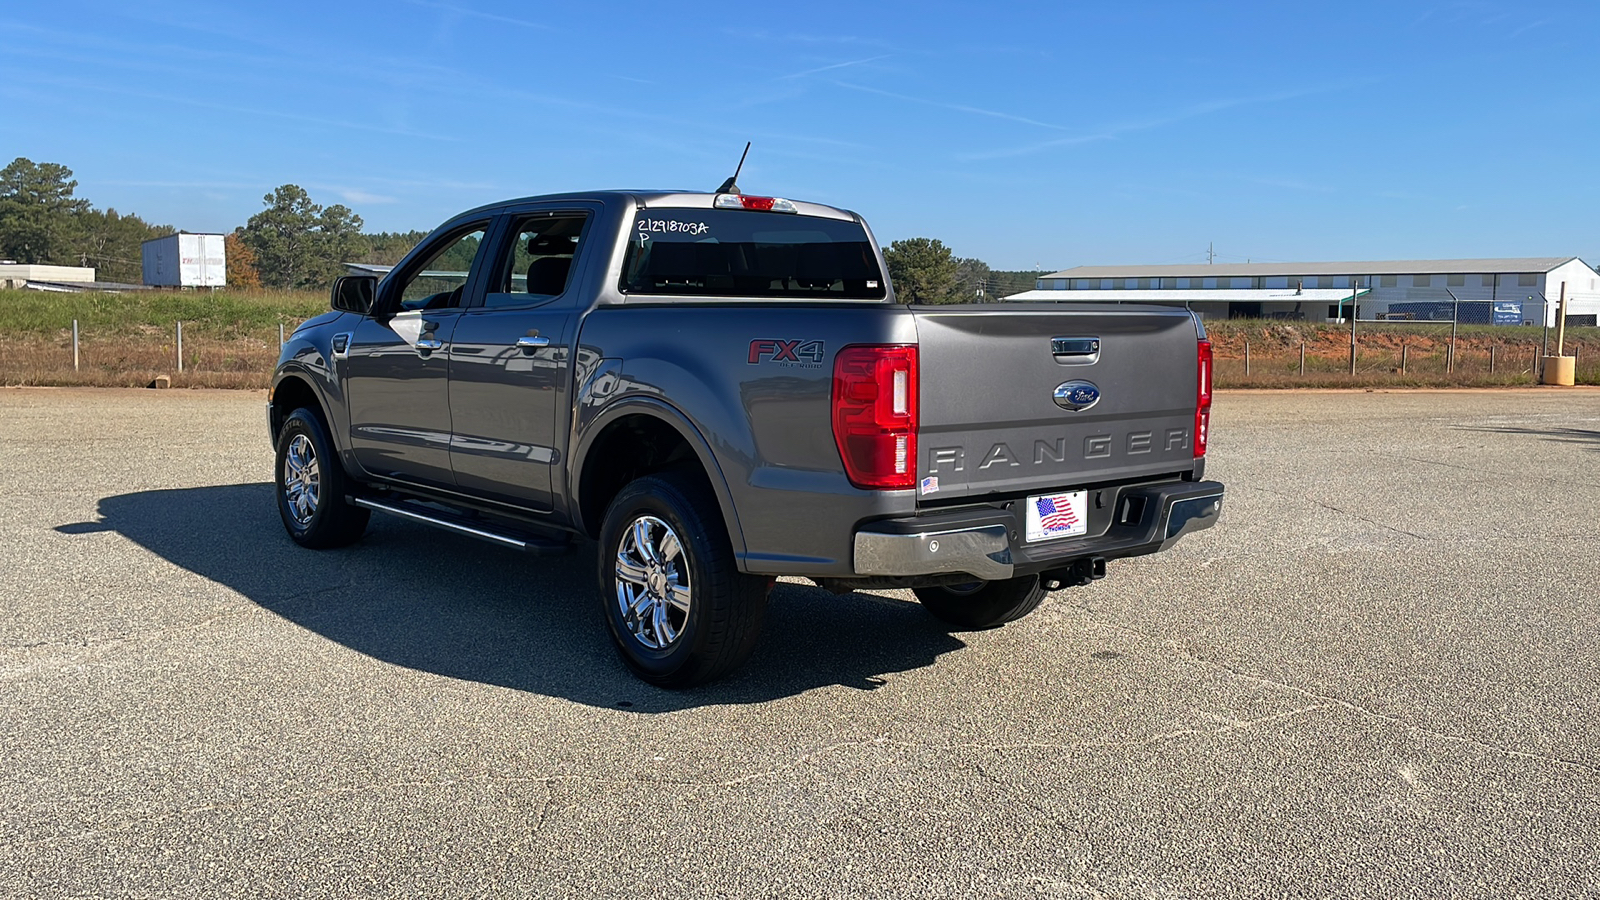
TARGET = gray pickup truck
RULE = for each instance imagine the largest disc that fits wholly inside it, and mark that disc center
(721, 389)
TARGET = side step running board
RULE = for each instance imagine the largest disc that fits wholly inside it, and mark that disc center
(538, 546)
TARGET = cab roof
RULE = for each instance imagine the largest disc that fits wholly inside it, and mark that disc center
(657, 199)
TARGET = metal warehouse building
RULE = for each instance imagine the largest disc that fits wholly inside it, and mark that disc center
(1502, 291)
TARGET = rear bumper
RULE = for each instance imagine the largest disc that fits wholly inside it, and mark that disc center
(985, 542)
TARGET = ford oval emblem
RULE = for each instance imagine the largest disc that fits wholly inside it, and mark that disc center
(1077, 395)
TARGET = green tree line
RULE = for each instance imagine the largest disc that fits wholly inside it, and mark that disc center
(43, 223)
(295, 243)
(924, 270)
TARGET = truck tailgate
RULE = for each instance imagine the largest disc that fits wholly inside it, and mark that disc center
(989, 420)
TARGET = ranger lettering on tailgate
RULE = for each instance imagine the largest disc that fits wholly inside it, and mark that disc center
(1045, 453)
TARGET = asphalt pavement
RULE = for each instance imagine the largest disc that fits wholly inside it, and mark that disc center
(1378, 676)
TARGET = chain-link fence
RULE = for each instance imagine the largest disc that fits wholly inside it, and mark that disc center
(1423, 342)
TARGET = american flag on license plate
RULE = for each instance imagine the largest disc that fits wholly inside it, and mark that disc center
(1055, 513)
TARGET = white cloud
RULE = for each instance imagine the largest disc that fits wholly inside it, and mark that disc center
(352, 195)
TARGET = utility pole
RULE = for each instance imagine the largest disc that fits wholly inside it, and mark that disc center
(1561, 319)
(1211, 253)
(1560, 368)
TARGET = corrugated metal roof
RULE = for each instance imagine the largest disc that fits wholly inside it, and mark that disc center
(1202, 295)
(83, 287)
(1380, 267)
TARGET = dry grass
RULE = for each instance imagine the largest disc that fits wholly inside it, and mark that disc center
(136, 360)
(230, 339)
(1389, 354)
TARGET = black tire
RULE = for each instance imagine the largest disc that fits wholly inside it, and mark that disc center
(662, 642)
(983, 604)
(310, 486)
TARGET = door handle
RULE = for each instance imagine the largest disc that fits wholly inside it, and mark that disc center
(428, 345)
(1074, 346)
(1075, 351)
(532, 342)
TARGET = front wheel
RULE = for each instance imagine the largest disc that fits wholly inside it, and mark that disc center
(311, 486)
(983, 604)
(678, 609)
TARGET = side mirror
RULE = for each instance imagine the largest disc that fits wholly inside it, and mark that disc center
(354, 293)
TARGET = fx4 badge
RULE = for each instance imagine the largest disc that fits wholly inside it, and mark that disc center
(804, 353)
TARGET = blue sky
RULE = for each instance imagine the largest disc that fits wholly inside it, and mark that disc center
(1049, 134)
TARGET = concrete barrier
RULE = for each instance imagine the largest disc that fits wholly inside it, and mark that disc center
(1561, 370)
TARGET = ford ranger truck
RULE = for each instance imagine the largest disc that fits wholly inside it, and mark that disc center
(721, 390)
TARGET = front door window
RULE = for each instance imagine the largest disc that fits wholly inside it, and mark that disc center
(439, 282)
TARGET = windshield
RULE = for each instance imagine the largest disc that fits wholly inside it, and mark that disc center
(738, 253)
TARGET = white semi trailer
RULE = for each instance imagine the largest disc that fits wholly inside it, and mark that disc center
(186, 260)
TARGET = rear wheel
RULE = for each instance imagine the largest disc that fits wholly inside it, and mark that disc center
(983, 604)
(311, 486)
(678, 609)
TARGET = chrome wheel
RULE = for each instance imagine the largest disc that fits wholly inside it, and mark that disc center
(652, 583)
(302, 480)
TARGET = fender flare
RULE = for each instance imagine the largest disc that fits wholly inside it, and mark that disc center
(334, 415)
(674, 418)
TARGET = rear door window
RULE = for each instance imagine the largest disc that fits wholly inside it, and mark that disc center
(740, 253)
(538, 266)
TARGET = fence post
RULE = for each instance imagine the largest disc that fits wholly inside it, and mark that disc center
(1355, 294)
(74, 345)
(1302, 357)
(1491, 359)
(1455, 319)
(180, 346)
(1247, 359)
(1403, 350)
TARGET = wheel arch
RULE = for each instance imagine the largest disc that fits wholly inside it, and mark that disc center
(638, 437)
(292, 391)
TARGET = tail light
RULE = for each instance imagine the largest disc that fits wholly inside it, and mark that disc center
(1202, 398)
(875, 414)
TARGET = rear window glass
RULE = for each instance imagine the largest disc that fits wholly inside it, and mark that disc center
(738, 253)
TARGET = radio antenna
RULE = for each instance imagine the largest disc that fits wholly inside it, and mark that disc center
(731, 186)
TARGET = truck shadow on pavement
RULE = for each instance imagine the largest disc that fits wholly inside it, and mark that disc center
(436, 602)
(1559, 435)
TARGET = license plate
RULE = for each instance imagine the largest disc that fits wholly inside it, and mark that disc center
(1052, 516)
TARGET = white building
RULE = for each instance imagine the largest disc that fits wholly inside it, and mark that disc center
(1502, 291)
(186, 260)
(18, 275)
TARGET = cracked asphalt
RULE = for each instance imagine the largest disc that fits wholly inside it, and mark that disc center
(1377, 677)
